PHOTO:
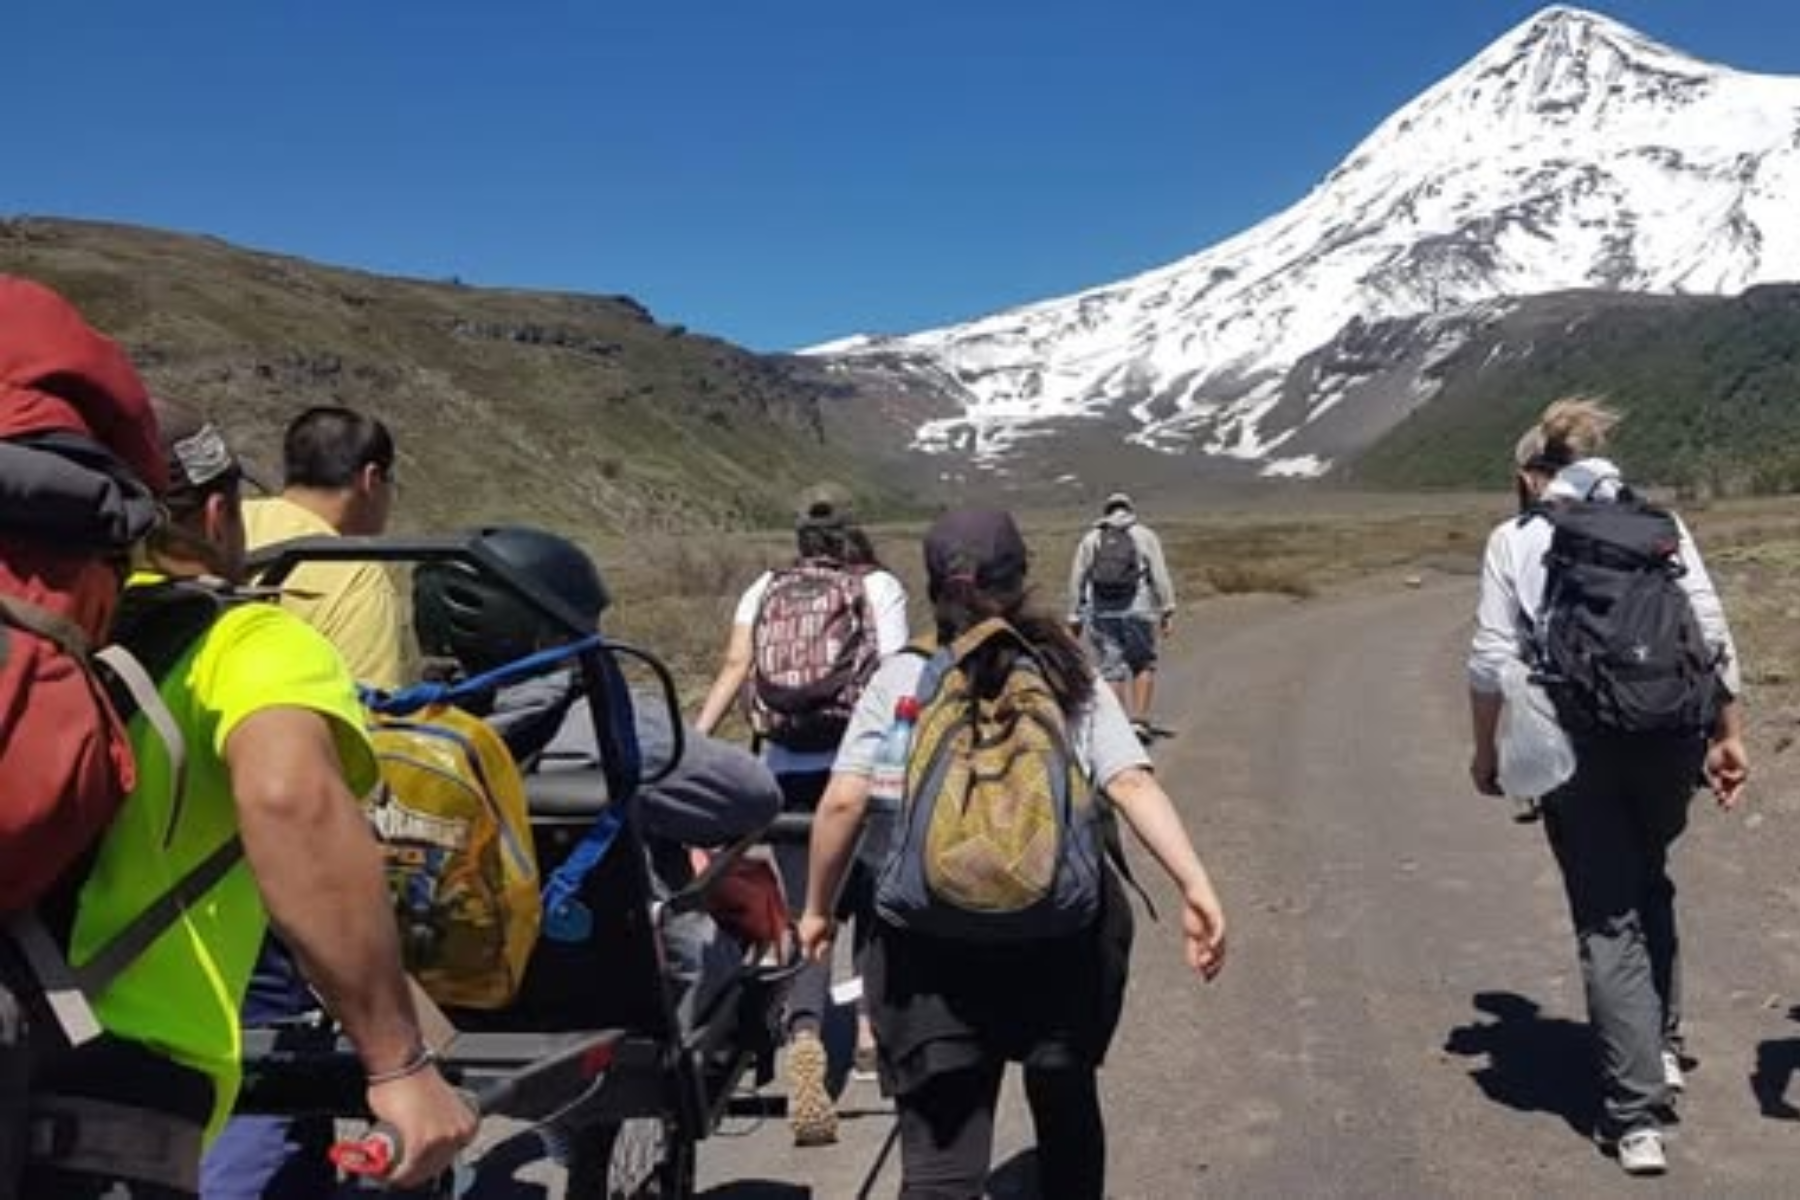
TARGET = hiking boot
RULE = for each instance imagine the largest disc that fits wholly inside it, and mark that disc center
(811, 1112)
(1641, 1152)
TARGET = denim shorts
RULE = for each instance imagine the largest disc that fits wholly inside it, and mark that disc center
(1127, 645)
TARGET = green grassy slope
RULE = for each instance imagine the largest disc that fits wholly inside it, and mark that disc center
(580, 412)
(1710, 389)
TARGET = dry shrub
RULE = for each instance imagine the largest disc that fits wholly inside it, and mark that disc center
(703, 566)
(1271, 578)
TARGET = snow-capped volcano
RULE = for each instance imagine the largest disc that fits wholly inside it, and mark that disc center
(1572, 153)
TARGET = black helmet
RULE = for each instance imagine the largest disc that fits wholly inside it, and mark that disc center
(462, 613)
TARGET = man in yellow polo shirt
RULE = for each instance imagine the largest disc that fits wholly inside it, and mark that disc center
(337, 479)
(276, 757)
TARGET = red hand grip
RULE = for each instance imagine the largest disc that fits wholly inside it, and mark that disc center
(373, 1156)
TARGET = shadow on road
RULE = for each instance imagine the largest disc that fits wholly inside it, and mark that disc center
(1015, 1179)
(495, 1172)
(1534, 1063)
(757, 1189)
(1776, 1062)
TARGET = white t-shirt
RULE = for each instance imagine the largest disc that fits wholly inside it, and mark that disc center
(887, 604)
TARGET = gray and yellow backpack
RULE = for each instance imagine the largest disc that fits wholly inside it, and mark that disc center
(1000, 836)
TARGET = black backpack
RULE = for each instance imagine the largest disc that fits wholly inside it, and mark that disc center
(1114, 575)
(1619, 648)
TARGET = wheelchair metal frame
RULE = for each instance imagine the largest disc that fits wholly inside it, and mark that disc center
(686, 1080)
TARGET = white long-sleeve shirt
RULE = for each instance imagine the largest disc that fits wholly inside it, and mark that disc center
(1512, 596)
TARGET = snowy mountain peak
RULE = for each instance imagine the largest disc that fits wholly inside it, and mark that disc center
(1573, 152)
(1565, 64)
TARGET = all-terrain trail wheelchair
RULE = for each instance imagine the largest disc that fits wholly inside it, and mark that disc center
(590, 1052)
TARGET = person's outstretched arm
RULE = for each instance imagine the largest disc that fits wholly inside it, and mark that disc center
(1078, 573)
(322, 877)
(733, 670)
(1161, 582)
(836, 824)
(1147, 809)
(1496, 643)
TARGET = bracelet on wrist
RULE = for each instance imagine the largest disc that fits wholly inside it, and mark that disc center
(423, 1059)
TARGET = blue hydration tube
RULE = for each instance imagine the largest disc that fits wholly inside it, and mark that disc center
(566, 918)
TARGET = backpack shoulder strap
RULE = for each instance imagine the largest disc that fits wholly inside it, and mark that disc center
(59, 630)
(1537, 510)
(165, 620)
(68, 989)
(1114, 845)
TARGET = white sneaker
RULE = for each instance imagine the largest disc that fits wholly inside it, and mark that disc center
(1641, 1153)
(1673, 1078)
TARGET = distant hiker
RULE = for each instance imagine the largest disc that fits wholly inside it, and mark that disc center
(261, 825)
(804, 642)
(337, 481)
(985, 953)
(1121, 593)
(1605, 598)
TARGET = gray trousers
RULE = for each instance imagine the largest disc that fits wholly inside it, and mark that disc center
(809, 997)
(1611, 827)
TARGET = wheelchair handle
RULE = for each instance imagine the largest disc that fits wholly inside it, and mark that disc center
(545, 1085)
(376, 1153)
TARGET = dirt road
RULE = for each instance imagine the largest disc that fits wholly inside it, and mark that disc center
(1401, 1012)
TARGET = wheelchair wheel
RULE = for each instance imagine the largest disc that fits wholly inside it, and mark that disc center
(643, 1158)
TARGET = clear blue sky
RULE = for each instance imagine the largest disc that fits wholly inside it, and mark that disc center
(777, 172)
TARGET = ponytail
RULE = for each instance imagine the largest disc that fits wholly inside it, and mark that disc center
(959, 605)
(1575, 428)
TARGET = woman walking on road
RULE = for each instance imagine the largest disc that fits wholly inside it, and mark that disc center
(951, 1012)
(1564, 586)
(835, 605)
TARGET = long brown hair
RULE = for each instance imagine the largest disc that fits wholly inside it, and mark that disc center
(960, 604)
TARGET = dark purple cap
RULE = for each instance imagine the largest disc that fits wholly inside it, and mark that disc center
(978, 545)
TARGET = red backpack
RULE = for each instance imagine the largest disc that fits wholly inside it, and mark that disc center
(79, 460)
(812, 650)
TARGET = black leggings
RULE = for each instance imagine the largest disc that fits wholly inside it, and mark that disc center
(947, 1133)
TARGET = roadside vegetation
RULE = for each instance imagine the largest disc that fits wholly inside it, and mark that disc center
(676, 594)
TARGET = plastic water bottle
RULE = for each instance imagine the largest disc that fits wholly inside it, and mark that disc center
(887, 783)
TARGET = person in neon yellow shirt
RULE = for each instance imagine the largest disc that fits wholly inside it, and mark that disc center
(276, 756)
(338, 479)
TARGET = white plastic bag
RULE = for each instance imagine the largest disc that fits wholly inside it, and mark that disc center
(1535, 755)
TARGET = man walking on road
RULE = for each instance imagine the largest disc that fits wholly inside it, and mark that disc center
(1121, 592)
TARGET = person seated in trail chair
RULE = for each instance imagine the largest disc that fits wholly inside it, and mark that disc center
(716, 794)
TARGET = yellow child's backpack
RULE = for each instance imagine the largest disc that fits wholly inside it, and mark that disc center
(452, 818)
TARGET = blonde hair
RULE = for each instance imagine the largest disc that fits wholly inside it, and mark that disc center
(1571, 429)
